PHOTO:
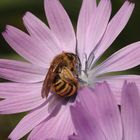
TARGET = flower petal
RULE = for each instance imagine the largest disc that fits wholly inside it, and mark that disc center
(130, 112)
(59, 126)
(86, 14)
(114, 28)
(32, 119)
(9, 90)
(42, 35)
(87, 99)
(105, 111)
(23, 44)
(86, 126)
(18, 71)
(124, 59)
(60, 24)
(116, 83)
(97, 25)
(21, 103)
(109, 116)
(75, 137)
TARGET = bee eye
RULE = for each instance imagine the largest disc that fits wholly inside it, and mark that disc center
(72, 69)
(71, 57)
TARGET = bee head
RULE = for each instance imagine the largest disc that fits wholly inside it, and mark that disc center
(74, 62)
(71, 56)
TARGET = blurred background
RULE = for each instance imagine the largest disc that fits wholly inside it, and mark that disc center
(11, 13)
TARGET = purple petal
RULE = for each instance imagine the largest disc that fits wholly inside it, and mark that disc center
(60, 126)
(124, 59)
(18, 71)
(98, 24)
(32, 120)
(114, 28)
(86, 126)
(130, 112)
(42, 35)
(87, 99)
(21, 103)
(109, 116)
(116, 83)
(60, 24)
(9, 90)
(74, 137)
(23, 44)
(105, 110)
(85, 16)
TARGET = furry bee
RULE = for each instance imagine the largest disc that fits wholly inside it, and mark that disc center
(62, 76)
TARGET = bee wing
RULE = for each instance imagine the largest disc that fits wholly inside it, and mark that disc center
(47, 83)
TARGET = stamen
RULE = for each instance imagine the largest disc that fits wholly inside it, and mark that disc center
(90, 60)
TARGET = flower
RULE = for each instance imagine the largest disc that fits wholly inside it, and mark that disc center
(95, 33)
(100, 118)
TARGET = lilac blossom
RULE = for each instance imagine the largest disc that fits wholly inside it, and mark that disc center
(100, 118)
(50, 118)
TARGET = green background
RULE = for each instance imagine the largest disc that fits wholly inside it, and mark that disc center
(11, 13)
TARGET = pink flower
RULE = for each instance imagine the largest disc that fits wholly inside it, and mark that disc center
(95, 33)
(104, 121)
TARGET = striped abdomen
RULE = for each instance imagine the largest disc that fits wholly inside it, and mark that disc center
(64, 88)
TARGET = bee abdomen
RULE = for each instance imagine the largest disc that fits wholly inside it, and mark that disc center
(64, 89)
(72, 91)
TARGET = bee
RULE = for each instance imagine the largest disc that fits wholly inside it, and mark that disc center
(62, 76)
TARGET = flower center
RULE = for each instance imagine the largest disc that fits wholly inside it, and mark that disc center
(85, 77)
